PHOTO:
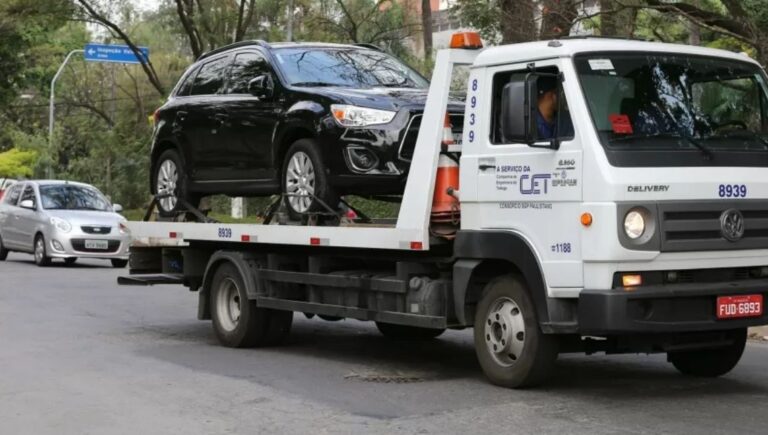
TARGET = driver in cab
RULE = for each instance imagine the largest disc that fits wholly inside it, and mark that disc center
(547, 115)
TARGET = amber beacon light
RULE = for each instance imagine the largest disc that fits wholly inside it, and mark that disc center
(467, 40)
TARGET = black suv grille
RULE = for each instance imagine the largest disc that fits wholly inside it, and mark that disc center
(95, 229)
(408, 143)
(79, 245)
(695, 226)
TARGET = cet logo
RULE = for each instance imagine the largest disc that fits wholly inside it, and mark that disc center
(732, 225)
(532, 184)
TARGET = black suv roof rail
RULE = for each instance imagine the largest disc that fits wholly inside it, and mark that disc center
(258, 42)
(367, 45)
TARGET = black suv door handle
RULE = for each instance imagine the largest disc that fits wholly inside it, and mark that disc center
(221, 118)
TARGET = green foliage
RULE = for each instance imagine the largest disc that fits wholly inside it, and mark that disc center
(17, 163)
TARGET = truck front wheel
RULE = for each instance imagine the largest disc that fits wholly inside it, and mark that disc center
(237, 321)
(711, 363)
(510, 347)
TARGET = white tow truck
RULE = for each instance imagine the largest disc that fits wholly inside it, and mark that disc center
(639, 225)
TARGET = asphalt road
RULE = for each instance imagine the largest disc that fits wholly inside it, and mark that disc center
(80, 355)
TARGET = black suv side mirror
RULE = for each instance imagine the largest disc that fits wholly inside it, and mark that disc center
(261, 86)
(519, 110)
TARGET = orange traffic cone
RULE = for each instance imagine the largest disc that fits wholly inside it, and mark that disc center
(447, 133)
(446, 215)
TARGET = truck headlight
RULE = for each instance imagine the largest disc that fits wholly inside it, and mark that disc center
(354, 116)
(634, 224)
(61, 224)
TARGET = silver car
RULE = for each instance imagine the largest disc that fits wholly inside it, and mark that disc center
(62, 219)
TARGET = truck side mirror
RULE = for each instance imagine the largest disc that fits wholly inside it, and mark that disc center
(261, 86)
(515, 114)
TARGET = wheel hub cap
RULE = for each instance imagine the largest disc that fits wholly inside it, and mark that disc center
(228, 305)
(300, 182)
(167, 181)
(505, 331)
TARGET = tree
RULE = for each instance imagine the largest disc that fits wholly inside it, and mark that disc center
(17, 163)
(213, 23)
(426, 27)
(517, 21)
(746, 21)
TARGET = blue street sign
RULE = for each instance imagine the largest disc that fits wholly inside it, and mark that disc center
(113, 53)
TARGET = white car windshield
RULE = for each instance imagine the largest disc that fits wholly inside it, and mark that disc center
(72, 197)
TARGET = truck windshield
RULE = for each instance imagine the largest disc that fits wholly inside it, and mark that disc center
(659, 101)
(359, 68)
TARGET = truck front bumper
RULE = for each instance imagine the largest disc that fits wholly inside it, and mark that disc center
(667, 308)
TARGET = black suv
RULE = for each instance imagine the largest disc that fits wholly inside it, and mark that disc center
(309, 120)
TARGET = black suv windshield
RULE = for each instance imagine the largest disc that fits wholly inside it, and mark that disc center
(348, 67)
(658, 101)
(72, 197)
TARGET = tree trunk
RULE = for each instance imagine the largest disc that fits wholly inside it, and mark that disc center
(557, 18)
(517, 24)
(426, 27)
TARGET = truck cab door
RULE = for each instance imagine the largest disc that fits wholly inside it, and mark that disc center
(533, 191)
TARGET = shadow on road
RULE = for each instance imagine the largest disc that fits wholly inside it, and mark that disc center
(350, 350)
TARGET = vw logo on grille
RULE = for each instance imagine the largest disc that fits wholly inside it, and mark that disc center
(732, 225)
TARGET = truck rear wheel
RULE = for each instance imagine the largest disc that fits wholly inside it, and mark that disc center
(711, 363)
(237, 321)
(510, 347)
(403, 332)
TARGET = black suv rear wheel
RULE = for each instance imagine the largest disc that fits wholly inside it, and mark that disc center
(169, 179)
(305, 180)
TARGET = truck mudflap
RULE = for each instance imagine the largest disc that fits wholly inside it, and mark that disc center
(666, 308)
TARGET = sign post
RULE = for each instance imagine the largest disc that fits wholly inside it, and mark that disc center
(91, 53)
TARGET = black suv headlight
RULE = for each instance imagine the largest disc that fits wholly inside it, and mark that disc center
(354, 116)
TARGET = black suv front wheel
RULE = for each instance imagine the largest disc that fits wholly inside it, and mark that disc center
(169, 183)
(305, 184)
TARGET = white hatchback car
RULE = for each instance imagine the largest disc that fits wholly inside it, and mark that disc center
(62, 219)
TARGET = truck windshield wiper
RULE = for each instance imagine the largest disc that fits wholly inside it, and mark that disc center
(704, 149)
(741, 134)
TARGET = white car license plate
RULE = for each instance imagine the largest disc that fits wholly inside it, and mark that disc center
(97, 244)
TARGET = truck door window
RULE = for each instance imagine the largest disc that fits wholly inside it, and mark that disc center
(564, 128)
(246, 67)
(210, 78)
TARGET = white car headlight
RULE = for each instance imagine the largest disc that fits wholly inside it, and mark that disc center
(634, 224)
(61, 224)
(353, 116)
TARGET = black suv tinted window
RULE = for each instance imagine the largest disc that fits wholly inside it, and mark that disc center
(210, 77)
(346, 67)
(246, 67)
(186, 86)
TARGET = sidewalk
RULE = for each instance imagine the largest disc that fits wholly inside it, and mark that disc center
(759, 333)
